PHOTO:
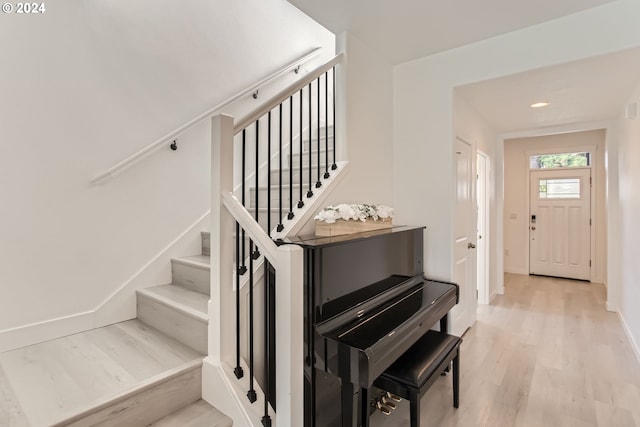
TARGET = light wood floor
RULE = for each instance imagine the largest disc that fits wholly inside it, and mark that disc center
(42, 383)
(546, 354)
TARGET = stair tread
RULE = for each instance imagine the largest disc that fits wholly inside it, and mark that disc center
(180, 298)
(198, 414)
(57, 379)
(200, 261)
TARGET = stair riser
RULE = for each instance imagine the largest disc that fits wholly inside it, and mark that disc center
(146, 406)
(275, 217)
(275, 197)
(191, 277)
(275, 175)
(206, 243)
(314, 158)
(179, 326)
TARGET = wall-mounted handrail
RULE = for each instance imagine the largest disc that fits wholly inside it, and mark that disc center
(284, 94)
(138, 155)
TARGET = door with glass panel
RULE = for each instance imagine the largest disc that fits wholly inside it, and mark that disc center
(559, 223)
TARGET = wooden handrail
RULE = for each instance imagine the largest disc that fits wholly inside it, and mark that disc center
(140, 154)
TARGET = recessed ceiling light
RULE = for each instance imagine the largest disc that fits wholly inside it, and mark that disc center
(539, 104)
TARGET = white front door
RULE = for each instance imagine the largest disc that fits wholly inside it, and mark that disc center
(463, 315)
(559, 223)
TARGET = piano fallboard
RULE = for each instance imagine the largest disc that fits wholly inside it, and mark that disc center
(359, 344)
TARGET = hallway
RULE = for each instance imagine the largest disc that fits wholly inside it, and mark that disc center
(546, 353)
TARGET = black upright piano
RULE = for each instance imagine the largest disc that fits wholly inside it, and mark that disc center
(366, 302)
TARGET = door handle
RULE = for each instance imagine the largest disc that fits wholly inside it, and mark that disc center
(471, 246)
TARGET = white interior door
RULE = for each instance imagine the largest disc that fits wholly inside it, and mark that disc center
(482, 194)
(559, 223)
(463, 315)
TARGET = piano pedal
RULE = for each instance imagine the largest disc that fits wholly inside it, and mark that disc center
(386, 401)
(383, 408)
(393, 397)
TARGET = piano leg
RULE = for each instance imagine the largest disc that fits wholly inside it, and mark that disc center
(349, 416)
(364, 407)
(444, 327)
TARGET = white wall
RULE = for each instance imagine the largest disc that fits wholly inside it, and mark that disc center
(88, 83)
(365, 95)
(628, 227)
(423, 113)
(469, 125)
(516, 194)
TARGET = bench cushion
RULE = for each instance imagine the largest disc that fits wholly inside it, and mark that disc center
(419, 363)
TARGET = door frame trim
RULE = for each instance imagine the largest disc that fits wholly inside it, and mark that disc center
(592, 149)
(483, 287)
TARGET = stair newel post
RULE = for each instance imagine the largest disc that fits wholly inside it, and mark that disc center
(326, 125)
(221, 307)
(310, 192)
(280, 225)
(289, 337)
(334, 166)
(318, 182)
(290, 215)
(300, 201)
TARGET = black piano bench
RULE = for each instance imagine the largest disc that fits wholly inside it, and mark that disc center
(413, 373)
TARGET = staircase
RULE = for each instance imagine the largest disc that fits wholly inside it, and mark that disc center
(179, 309)
(135, 373)
(156, 369)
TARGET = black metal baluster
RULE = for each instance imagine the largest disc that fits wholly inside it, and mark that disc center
(300, 202)
(310, 192)
(256, 254)
(238, 369)
(244, 192)
(291, 214)
(326, 125)
(334, 166)
(318, 182)
(269, 173)
(280, 225)
(266, 420)
(251, 394)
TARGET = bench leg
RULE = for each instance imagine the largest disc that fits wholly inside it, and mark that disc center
(456, 380)
(414, 408)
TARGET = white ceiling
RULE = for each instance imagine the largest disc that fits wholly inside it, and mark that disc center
(402, 30)
(589, 90)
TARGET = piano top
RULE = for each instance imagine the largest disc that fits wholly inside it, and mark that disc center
(367, 338)
(312, 241)
(370, 322)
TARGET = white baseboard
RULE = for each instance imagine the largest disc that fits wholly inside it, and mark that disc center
(612, 307)
(630, 337)
(25, 335)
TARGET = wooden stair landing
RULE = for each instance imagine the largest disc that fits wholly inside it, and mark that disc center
(126, 374)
